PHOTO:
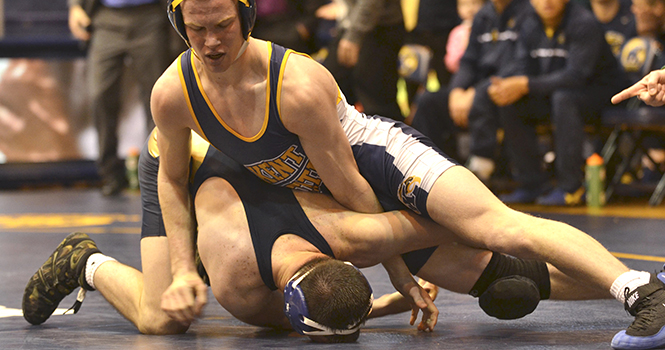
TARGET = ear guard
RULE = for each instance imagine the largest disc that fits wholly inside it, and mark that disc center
(246, 9)
(295, 309)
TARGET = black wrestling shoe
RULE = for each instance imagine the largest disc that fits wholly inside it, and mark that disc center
(58, 276)
(647, 304)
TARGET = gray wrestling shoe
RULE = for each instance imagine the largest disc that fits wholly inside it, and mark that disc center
(58, 277)
(647, 304)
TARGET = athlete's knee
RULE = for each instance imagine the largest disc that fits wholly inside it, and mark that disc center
(511, 288)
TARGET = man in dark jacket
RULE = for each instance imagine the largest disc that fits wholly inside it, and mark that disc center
(564, 74)
(465, 103)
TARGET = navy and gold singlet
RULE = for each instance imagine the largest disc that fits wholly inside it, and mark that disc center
(274, 154)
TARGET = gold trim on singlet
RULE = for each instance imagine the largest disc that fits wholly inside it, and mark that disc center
(183, 84)
(199, 148)
(221, 121)
(152, 144)
(278, 95)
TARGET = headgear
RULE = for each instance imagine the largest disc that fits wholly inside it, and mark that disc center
(246, 9)
(295, 308)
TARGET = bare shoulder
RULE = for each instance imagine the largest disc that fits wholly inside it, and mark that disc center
(307, 88)
(167, 101)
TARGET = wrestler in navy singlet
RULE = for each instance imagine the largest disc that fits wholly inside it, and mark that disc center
(399, 163)
(271, 211)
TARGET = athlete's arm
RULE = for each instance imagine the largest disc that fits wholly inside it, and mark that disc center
(309, 110)
(186, 296)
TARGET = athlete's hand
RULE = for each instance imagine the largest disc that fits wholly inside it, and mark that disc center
(396, 303)
(419, 299)
(650, 89)
(431, 289)
(184, 299)
(422, 301)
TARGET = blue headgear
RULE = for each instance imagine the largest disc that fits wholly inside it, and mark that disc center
(295, 308)
(247, 10)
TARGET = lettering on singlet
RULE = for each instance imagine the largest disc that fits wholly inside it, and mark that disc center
(287, 166)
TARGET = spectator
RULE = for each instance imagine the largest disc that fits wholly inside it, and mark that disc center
(617, 21)
(363, 56)
(290, 23)
(459, 36)
(639, 56)
(467, 105)
(565, 70)
(435, 19)
(644, 52)
(119, 32)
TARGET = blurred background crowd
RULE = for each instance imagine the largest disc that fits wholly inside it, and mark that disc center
(515, 90)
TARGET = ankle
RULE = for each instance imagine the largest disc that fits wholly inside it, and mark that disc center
(631, 280)
(92, 264)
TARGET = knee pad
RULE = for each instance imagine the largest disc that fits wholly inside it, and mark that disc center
(510, 297)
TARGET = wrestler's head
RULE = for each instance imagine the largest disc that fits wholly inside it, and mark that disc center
(217, 30)
(328, 300)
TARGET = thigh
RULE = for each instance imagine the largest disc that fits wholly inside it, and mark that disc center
(460, 202)
(399, 162)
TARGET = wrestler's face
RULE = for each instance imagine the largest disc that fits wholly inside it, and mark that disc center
(549, 11)
(213, 28)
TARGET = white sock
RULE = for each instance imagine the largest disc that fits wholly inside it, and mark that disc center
(631, 280)
(91, 266)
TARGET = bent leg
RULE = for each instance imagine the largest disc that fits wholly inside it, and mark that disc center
(462, 203)
(136, 295)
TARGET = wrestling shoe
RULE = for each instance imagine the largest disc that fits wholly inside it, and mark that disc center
(58, 276)
(647, 304)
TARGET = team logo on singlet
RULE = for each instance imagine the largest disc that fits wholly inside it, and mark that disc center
(406, 192)
(290, 169)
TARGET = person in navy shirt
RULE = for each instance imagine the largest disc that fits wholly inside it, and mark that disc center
(564, 74)
(617, 21)
(465, 103)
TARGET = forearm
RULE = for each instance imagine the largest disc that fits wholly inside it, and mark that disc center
(365, 201)
(176, 208)
(371, 238)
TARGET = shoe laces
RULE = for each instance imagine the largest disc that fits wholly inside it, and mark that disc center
(79, 300)
(644, 315)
